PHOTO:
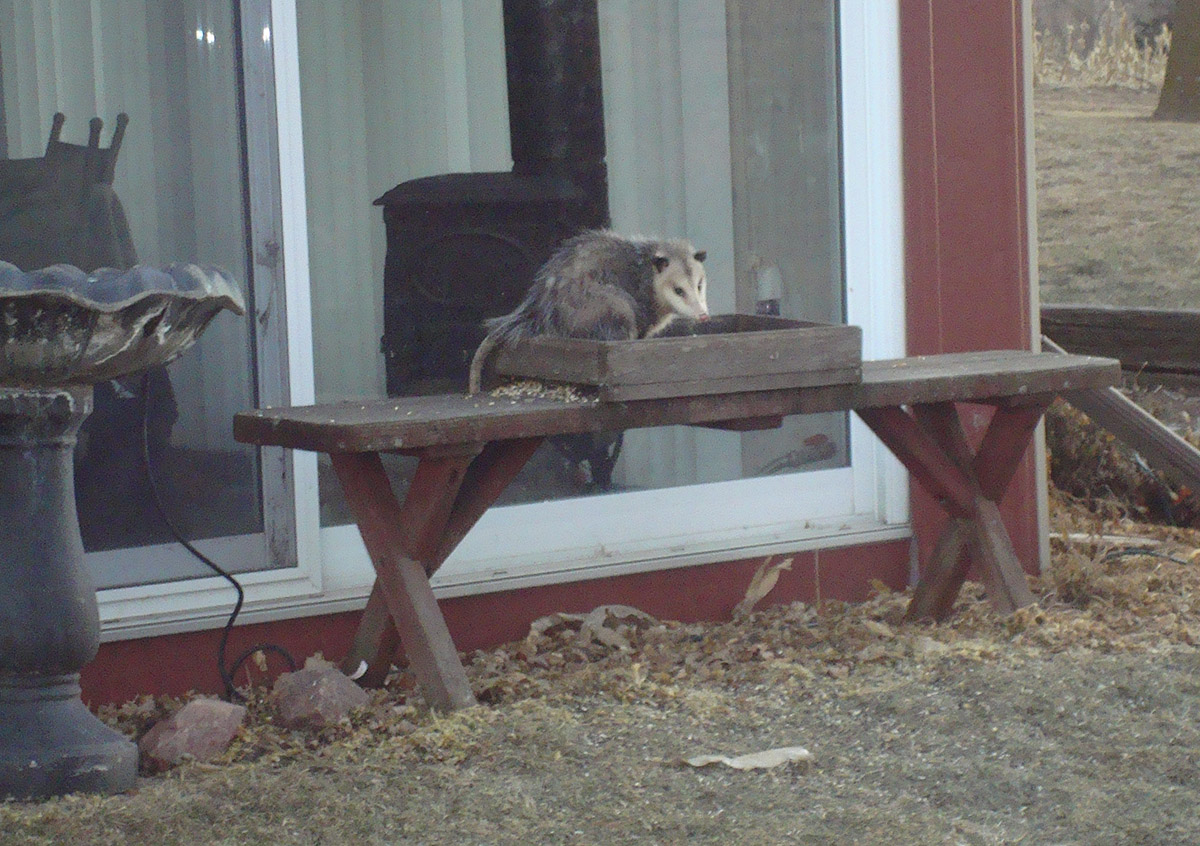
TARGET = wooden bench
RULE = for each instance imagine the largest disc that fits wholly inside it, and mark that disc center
(470, 448)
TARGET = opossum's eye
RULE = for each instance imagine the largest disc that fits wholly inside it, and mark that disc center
(660, 263)
(701, 255)
(678, 291)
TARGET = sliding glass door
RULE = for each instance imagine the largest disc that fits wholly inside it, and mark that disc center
(720, 121)
(310, 148)
(184, 186)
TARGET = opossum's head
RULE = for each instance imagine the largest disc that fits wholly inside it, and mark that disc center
(680, 286)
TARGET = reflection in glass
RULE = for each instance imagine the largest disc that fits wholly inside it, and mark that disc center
(717, 121)
(167, 186)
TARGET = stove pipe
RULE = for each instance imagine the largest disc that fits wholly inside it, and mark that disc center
(555, 106)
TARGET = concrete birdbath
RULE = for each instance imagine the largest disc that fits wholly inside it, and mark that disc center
(61, 331)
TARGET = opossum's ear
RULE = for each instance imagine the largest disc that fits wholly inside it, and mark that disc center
(700, 255)
(660, 263)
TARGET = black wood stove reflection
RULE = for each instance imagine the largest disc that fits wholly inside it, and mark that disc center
(464, 246)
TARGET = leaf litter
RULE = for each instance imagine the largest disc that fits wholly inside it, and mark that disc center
(898, 722)
(1088, 599)
(892, 710)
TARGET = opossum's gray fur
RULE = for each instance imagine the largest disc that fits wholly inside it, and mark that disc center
(597, 285)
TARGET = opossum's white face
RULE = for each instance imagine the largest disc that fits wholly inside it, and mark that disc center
(680, 285)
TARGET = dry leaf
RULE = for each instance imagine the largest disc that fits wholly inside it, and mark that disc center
(879, 628)
(926, 647)
(764, 760)
(542, 625)
(761, 583)
(596, 624)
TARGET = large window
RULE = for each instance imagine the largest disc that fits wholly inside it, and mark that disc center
(427, 151)
(715, 121)
(176, 195)
(180, 97)
(261, 135)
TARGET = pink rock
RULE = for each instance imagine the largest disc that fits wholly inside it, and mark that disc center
(201, 730)
(316, 696)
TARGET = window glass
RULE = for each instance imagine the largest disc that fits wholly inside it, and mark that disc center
(450, 146)
(176, 195)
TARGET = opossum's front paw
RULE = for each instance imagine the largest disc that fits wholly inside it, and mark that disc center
(679, 326)
(675, 326)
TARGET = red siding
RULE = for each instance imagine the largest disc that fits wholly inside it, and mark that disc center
(175, 664)
(966, 231)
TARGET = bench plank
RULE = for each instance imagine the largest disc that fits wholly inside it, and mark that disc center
(998, 377)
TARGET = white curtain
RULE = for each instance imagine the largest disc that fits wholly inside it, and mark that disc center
(787, 210)
(666, 112)
(391, 90)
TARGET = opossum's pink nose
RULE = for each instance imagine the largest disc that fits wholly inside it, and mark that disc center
(703, 316)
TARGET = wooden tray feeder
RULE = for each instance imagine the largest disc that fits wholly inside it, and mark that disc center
(733, 353)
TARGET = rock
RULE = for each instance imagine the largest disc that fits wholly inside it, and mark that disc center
(200, 730)
(316, 696)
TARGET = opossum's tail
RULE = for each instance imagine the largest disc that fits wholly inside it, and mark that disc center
(500, 330)
(478, 360)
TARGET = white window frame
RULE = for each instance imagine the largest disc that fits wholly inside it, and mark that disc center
(571, 540)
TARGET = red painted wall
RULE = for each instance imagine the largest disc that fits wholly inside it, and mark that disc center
(175, 664)
(966, 231)
(968, 284)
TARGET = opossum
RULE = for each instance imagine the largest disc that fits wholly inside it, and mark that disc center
(608, 287)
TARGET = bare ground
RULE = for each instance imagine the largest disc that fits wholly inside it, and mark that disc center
(1071, 722)
(1075, 722)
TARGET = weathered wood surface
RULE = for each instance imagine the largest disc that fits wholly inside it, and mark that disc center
(751, 353)
(975, 533)
(394, 535)
(451, 490)
(1145, 339)
(1004, 377)
(469, 449)
(920, 452)
(728, 384)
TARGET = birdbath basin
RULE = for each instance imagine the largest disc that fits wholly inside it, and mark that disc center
(62, 331)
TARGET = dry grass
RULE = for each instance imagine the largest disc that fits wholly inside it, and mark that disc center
(1113, 58)
(1076, 719)
(1116, 200)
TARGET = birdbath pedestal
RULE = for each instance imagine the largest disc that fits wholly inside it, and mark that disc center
(60, 332)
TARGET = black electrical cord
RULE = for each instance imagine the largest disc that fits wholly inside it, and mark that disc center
(226, 671)
(1142, 550)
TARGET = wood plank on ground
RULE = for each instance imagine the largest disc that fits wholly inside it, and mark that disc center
(1158, 445)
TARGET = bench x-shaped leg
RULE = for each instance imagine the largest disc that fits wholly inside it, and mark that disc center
(451, 490)
(929, 441)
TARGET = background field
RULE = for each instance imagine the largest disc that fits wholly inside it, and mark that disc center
(1118, 205)
(1118, 209)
